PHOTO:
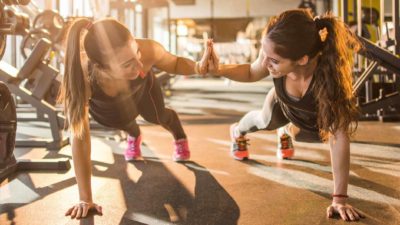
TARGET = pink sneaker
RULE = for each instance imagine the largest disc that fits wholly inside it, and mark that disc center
(133, 151)
(181, 152)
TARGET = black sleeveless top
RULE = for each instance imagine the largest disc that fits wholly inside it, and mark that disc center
(302, 113)
(116, 111)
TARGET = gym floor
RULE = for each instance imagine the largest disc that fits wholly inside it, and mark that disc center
(212, 188)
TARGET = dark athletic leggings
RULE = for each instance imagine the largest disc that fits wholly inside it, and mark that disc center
(150, 105)
(271, 117)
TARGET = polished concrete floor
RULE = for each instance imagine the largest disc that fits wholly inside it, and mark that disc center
(212, 188)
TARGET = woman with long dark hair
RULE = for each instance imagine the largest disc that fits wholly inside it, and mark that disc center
(310, 61)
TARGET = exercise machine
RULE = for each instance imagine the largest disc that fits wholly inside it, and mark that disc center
(377, 83)
(10, 78)
(37, 69)
(381, 100)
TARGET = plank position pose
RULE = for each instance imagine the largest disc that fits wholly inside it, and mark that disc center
(112, 80)
(310, 61)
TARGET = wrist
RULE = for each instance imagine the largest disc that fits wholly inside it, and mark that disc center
(339, 198)
(85, 200)
(217, 72)
(196, 68)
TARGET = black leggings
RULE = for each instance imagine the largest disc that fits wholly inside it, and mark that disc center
(271, 117)
(150, 105)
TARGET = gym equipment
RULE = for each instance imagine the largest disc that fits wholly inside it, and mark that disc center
(8, 117)
(11, 22)
(8, 127)
(51, 21)
(44, 76)
(377, 85)
(31, 39)
(2, 44)
(47, 24)
(380, 102)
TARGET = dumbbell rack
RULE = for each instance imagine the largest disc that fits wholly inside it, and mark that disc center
(44, 74)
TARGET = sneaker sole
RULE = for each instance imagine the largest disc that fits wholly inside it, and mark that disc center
(140, 158)
(288, 155)
(180, 160)
(239, 158)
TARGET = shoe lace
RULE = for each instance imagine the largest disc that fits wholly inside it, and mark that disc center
(286, 141)
(242, 143)
(180, 147)
(133, 145)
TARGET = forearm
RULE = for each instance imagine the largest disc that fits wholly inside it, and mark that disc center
(236, 72)
(340, 159)
(81, 150)
(184, 66)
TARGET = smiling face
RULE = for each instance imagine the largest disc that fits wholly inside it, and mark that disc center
(276, 65)
(124, 62)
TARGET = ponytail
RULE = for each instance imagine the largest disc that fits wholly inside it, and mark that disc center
(73, 93)
(333, 87)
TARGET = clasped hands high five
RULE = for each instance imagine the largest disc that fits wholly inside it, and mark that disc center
(209, 62)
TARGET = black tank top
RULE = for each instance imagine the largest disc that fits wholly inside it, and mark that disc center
(116, 110)
(302, 113)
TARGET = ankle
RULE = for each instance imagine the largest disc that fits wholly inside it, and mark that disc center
(181, 152)
(134, 139)
(181, 140)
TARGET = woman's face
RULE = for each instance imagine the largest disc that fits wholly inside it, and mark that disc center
(124, 62)
(276, 65)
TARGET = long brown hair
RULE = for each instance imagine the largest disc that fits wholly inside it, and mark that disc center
(101, 36)
(296, 34)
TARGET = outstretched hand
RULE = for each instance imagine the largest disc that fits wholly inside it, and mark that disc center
(346, 211)
(81, 210)
(213, 59)
(210, 61)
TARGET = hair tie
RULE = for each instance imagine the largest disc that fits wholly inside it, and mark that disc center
(323, 34)
(322, 31)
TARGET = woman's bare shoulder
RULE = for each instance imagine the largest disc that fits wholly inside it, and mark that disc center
(148, 44)
(150, 49)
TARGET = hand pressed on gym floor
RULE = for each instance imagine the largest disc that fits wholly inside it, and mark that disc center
(346, 211)
(81, 210)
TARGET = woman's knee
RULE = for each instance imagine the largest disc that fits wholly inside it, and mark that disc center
(302, 135)
(162, 117)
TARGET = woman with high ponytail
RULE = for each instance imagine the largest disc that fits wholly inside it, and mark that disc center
(108, 75)
(310, 60)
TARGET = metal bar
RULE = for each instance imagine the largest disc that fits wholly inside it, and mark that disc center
(355, 11)
(376, 104)
(359, 17)
(382, 16)
(364, 76)
(384, 57)
(345, 11)
(396, 25)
